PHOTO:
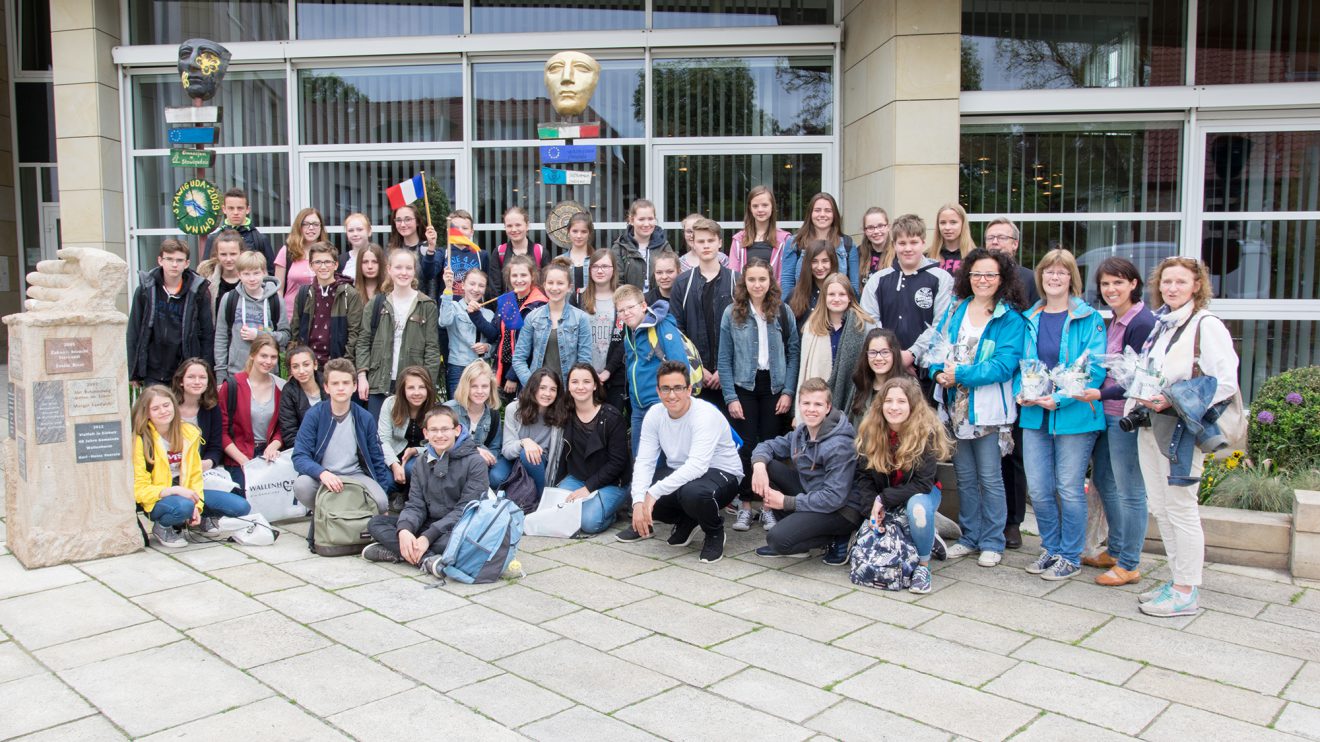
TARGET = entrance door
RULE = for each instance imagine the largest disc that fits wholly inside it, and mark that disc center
(341, 183)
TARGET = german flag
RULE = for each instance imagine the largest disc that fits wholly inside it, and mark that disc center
(458, 239)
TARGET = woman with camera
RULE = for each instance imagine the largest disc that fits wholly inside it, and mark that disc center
(1188, 341)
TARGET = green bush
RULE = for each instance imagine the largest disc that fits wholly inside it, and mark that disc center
(439, 208)
(1285, 420)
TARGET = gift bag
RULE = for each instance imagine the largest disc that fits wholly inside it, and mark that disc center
(555, 517)
(269, 488)
(1036, 383)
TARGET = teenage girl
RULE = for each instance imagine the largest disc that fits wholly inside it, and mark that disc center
(250, 427)
(357, 232)
(881, 361)
(399, 329)
(292, 270)
(303, 390)
(581, 244)
(759, 237)
(664, 271)
(556, 335)
(832, 339)
(401, 422)
(199, 404)
(821, 262)
(954, 241)
(823, 223)
(521, 276)
(606, 329)
(517, 243)
(370, 262)
(404, 225)
(636, 249)
(874, 254)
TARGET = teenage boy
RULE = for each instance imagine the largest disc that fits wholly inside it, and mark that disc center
(327, 314)
(221, 270)
(807, 476)
(338, 441)
(650, 337)
(169, 320)
(238, 217)
(702, 470)
(462, 221)
(449, 475)
(911, 295)
(698, 300)
(256, 306)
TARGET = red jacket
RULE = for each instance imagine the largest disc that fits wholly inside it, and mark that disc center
(236, 424)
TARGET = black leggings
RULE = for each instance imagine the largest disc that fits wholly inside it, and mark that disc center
(759, 423)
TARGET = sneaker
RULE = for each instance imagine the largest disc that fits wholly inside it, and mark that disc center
(209, 525)
(938, 550)
(683, 533)
(959, 550)
(768, 519)
(168, 537)
(712, 550)
(630, 534)
(1173, 603)
(920, 580)
(744, 521)
(1062, 569)
(1043, 562)
(769, 553)
(432, 566)
(990, 558)
(1154, 592)
(378, 553)
(837, 554)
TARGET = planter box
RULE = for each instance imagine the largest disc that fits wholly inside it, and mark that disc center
(1245, 537)
(1304, 559)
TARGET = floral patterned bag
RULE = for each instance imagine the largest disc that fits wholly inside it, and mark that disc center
(884, 557)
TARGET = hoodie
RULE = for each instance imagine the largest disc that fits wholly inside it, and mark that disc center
(738, 256)
(339, 338)
(253, 240)
(152, 346)
(633, 265)
(442, 486)
(825, 465)
(909, 303)
(642, 359)
(237, 310)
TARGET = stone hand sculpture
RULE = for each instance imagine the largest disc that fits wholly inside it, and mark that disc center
(570, 78)
(202, 65)
(83, 279)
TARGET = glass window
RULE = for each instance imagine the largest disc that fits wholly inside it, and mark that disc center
(734, 96)
(36, 127)
(531, 16)
(341, 188)
(1254, 259)
(511, 99)
(255, 109)
(1262, 171)
(511, 176)
(1254, 41)
(1024, 44)
(172, 21)
(33, 34)
(359, 19)
(371, 105)
(264, 176)
(1269, 347)
(716, 186)
(732, 13)
(1070, 168)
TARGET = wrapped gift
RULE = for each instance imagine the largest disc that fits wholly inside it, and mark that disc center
(1036, 382)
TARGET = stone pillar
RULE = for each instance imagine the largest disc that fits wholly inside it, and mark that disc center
(900, 107)
(10, 259)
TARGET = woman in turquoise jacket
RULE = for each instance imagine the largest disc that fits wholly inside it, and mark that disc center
(975, 394)
(1059, 430)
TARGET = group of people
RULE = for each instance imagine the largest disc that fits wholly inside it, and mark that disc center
(794, 370)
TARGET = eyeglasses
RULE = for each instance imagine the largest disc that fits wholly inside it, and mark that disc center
(1000, 238)
(1058, 274)
(669, 391)
(886, 353)
(311, 224)
(628, 309)
(602, 267)
(405, 220)
(323, 263)
(983, 276)
(875, 228)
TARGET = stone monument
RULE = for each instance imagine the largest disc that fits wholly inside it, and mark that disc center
(69, 480)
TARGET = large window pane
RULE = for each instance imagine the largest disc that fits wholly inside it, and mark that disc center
(1070, 168)
(32, 30)
(265, 177)
(1026, 44)
(1263, 171)
(733, 13)
(172, 21)
(733, 96)
(1269, 347)
(341, 188)
(511, 99)
(1253, 41)
(36, 125)
(716, 186)
(357, 19)
(508, 16)
(255, 109)
(1262, 259)
(372, 105)
(511, 176)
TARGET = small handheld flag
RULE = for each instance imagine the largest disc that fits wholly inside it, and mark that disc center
(406, 192)
(507, 305)
(457, 238)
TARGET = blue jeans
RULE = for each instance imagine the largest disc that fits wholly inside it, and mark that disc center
(1056, 480)
(982, 507)
(921, 521)
(597, 512)
(452, 374)
(177, 510)
(1117, 477)
(638, 414)
(504, 467)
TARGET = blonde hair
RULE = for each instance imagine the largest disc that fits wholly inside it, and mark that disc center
(921, 435)
(474, 371)
(819, 320)
(387, 283)
(250, 260)
(1200, 298)
(295, 246)
(146, 430)
(259, 342)
(1059, 256)
(965, 244)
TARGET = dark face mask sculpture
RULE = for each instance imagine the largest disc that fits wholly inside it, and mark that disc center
(202, 64)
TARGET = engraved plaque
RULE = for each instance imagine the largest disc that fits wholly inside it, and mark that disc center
(98, 442)
(48, 411)
(91, 397)
(68, 355)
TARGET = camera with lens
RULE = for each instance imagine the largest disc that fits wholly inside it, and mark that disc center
(1138, 418)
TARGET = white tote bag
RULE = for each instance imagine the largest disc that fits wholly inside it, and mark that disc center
(269, 488)
(555, 517)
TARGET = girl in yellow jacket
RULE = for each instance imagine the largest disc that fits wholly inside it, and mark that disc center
(167, 471)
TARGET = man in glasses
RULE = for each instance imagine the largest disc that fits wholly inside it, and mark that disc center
(702, 468)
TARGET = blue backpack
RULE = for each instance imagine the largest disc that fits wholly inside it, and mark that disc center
(484, 541)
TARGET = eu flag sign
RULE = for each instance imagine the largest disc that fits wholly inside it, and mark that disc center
(558, 153)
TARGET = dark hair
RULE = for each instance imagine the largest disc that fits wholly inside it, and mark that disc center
(237, 193)
(400, 414)
(322, 247)
(396, 239)
(800, 300)
(444, 410)
(742, 301)
(583, 218)
(342, 365)
(228, 235)
(808, 229)
(553, 415)
(169, 245)
(1010, 286)
(1119, 268)
(598, 396)
(672, 367)
(863, 377)
(297, 349)
(209, 397)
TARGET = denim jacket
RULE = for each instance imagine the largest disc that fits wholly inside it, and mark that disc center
(739, 344)
(574, 341)
(462, 330)
(846, 252)
(1083, 332)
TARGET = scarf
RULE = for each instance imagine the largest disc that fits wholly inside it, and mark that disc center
(818, 361)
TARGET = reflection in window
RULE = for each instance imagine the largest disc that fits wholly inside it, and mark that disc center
(36, 126)
(372, 105)
(32, 31)
(1024, 45)
(511, 99)
(511, 176)
(1263, 171)
(716, 186)
(264, 176)
(1070, 168)
(734, 13)
(254, 103)
(509, 16)
(355, 19)
(732, 96)
(1262, 259)
(1255, 41)
(341, 188)
(1269, 347)
(172, 21)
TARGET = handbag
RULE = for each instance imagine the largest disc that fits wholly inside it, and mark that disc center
(555, 517)
(520, 488)
(269, 488)
(1232, 421)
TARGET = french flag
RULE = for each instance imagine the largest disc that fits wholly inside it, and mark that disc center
(406, 192)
